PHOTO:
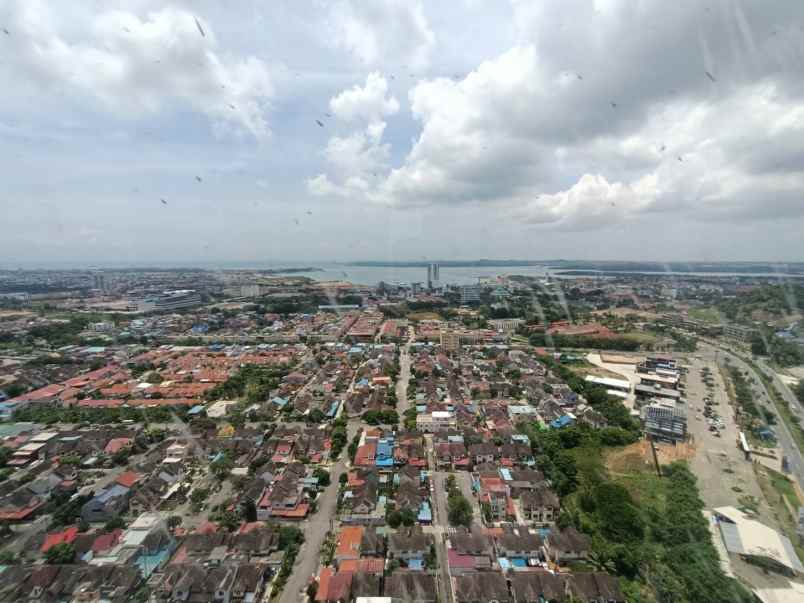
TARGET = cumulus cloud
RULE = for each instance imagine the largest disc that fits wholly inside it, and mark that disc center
(137, 65)
(358, 158)
(591, 202)
(367, 102)
(584, 138)
(379, 33)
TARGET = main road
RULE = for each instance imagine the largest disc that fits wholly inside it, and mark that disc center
(786, 441)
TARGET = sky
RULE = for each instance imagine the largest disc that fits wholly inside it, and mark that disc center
(309, 130)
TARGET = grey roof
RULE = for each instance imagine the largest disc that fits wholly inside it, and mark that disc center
(411, 587)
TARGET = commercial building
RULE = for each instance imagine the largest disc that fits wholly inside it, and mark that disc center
(665, 420)
(470, 294)
(738, 332)
(615, 387)
(757, 543)
(170, 300)
(647, 392)
(506, 325)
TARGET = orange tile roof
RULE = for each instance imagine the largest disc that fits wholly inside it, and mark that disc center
(349, 542)
(324, 579)
(90, 403)
(65, 536)
(128, 479)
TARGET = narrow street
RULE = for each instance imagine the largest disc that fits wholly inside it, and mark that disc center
(440, 525)
(315, 531)
(402, 402)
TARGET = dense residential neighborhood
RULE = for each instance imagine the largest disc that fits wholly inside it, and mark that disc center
(247, 449)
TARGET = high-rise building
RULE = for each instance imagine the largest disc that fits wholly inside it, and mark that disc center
(433, 276)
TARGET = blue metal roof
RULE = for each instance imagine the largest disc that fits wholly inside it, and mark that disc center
(416, 564)
(562, 421)
(425, 514)
(113, 492)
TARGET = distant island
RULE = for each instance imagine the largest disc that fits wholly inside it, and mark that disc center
(448, 264)
(591, 267)
(289, 270)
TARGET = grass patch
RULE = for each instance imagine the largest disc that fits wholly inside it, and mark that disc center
(783, 500)
(641, 336)
(710, 315)
(784, 487)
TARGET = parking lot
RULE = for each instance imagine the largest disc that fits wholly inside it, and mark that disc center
(725, 477)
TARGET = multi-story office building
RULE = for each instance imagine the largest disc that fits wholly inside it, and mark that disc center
(433, 276)
(470, 294)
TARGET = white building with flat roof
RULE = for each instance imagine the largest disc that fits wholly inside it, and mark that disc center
(435, 421)
(756, 542)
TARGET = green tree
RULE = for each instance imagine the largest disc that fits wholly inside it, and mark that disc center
(60, 554)
(228, 520)
(114, 523)
(394, 519)
(290, 536)
(459, 510)
(408, 517)
(323, 476)
(7, 558)
(222, 467)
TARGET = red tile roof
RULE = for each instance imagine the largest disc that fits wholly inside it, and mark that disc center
(65, 536)
(116, 445)
(324, 579)
(128, 479)
(365, 455)
(349, 542)
(365, 565)
(90, 403)
(106, 541)
(339, 586)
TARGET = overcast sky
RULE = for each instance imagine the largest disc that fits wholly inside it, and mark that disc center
(450, 130)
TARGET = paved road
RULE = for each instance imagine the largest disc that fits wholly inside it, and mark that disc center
(786, 441)
(402, 402)
(315, 531)
(784, 389)
(440, 523)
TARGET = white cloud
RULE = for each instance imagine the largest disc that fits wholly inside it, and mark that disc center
(591, 203)
(359, 158)
(379, 33)
(368, 102)
(135, 66)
